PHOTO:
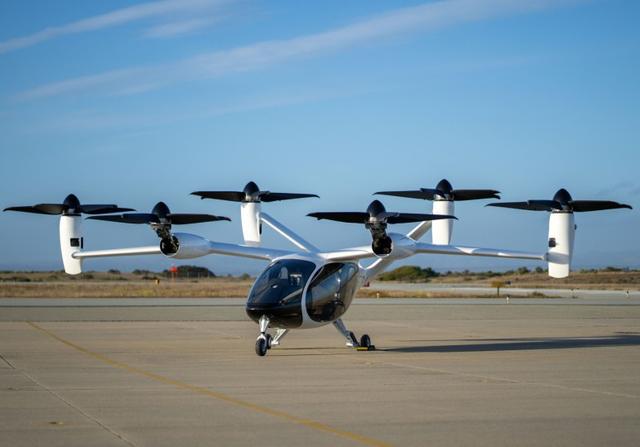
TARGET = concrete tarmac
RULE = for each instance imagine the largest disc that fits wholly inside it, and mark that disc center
(446, 372)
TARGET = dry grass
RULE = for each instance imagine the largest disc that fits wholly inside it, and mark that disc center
(374, 293)
(128, 285)
(601, 280)
(126, 289)
(219, 288)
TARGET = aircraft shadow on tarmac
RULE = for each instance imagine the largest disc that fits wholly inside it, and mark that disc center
(486, 345)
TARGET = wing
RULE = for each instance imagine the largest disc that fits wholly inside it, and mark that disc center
(134, 251)
(245, 251)
(422, 247)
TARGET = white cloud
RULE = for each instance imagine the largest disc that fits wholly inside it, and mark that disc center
(422, 18)
(172, 29)
(108, 20)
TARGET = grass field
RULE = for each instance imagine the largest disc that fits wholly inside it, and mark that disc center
(589, 279)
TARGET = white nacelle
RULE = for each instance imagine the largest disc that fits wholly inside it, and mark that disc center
(441, 230)
(250, 214)
(402, 246)
(561, 236)
(190, 246)
(71, 241)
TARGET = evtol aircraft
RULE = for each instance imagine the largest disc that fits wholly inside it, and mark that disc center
(307, 287)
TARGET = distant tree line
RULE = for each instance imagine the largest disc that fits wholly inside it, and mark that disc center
(411, 273)
(190, 271)
(414, 273)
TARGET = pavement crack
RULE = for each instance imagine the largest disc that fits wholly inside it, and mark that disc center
(79, 410)
(7, 362)
(514, 381)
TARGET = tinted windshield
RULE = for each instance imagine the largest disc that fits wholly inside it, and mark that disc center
(281, 283)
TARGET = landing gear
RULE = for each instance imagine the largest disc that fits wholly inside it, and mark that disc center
(280, 333)
(263, 343)
(365, 341)
(352, 341)
(261, 346)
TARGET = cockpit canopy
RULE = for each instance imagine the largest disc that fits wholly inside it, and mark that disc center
(281, 283)
(278, 292)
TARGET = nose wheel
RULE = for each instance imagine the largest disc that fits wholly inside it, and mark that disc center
(263, 342)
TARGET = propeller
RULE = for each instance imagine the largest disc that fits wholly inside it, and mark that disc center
(250, 193)
(562, 202)
(161, 218)
(444, 191)
(70, 206)
(375, 219)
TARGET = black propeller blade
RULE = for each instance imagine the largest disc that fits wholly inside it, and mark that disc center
(444, 191)
(375, 219)
(376, 213)
(161, 215)
(160, 219)
(345, 217)
(562, 201)
(250, 193)
(70, 205)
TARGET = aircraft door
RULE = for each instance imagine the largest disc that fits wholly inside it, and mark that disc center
(331, 291)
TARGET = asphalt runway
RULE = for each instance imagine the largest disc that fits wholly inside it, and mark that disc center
(447, 372)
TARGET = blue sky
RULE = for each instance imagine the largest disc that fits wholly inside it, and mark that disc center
(138, 102)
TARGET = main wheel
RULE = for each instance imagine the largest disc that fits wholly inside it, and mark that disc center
(261, 346)
(354, 340)
(365, 341)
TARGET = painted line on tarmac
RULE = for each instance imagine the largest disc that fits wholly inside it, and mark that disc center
(319, 426)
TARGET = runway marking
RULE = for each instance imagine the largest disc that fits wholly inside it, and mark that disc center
(364, 440)
(504, 379)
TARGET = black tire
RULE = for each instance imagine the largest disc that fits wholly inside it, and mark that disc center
(261, 347)
(365, 341)
(269, 339)
(353, 338)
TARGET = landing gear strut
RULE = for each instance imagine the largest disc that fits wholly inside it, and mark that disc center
(263, 343)
(352, 341)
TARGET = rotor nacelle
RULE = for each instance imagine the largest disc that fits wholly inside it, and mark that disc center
(562, 227)
(443, 197)
(250, 199)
